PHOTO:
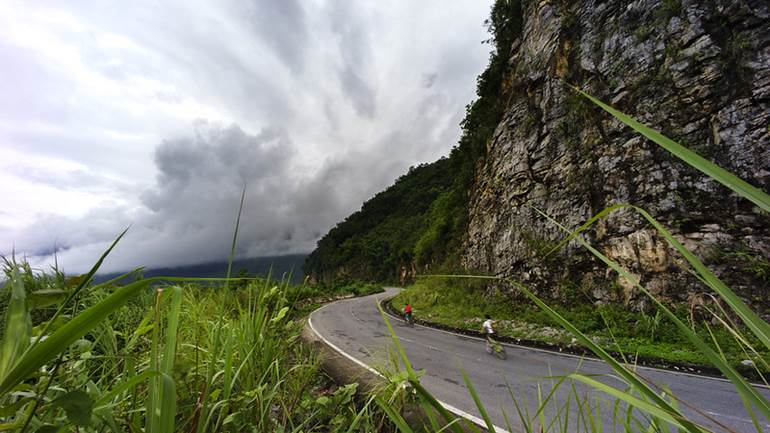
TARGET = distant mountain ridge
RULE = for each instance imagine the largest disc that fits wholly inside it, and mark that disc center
(278, 266)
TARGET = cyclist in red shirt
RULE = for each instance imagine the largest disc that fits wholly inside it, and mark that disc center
(408, 313)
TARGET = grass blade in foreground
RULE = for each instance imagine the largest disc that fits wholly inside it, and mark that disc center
(18, 325)
(415, 381)
(168, 388)
(235, 238)
(477, 401)
(83, 282)
(759, 327)
(394, 416)
(645, 406)
(624, 372)
(49, 348)
(707, 167)
(105, 399)
(746, 391)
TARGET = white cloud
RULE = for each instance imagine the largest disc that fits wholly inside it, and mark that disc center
(97, 95)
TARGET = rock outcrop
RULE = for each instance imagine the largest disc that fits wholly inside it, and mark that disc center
(698, 71)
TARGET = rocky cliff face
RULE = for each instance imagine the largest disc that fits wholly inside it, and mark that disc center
(699, 71)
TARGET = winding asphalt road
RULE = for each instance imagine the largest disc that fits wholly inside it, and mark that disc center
(355, 328)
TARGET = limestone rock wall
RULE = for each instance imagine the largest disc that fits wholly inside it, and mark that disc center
(699, 71)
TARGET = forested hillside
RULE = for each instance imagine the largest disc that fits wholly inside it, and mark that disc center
(420, 221)
(373, 242)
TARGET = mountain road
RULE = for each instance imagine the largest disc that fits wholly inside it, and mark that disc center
(355, 328)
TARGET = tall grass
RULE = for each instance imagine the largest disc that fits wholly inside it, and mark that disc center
(162, 354)
(182, 357)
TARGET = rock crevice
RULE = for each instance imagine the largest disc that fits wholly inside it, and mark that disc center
(698, 71)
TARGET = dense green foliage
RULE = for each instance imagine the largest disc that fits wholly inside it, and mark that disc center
(191, 358)
(420, 220)
(372, 243)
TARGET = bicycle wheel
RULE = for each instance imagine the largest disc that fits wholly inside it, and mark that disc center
(500, 352)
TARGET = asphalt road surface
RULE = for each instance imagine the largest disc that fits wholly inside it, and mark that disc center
(355, 327)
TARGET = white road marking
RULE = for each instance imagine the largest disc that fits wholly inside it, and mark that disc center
(737, 418)
(450, 408)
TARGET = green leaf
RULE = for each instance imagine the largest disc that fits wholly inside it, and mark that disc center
(414, 379)
(281, 314)
(77, 405)
(230, 418)
(477, 401)
(629, 399)
(83, 280)
(57, 342)
(161, 399)
(168, 400)
(124, 386)
(759, 327)
(394, 416)
(167, 404)
(629, 376)
(44, 298)
(18, 326)
(235, 238)
(359, 415)
(10, 409)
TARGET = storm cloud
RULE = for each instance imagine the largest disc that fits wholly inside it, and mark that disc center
(155, 116)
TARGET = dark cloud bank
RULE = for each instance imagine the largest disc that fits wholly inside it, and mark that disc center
(189, 215)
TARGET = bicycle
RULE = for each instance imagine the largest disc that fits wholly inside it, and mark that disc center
(495, 348)
(409, 320)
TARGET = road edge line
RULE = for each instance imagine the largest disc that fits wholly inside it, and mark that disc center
(581, 357)
(459, 412)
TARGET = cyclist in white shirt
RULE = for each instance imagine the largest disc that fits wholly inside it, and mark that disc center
(487, 328)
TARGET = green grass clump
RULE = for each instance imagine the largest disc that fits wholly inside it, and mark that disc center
(182, 357)
(164, 354)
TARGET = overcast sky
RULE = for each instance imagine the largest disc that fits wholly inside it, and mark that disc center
(154, 114)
